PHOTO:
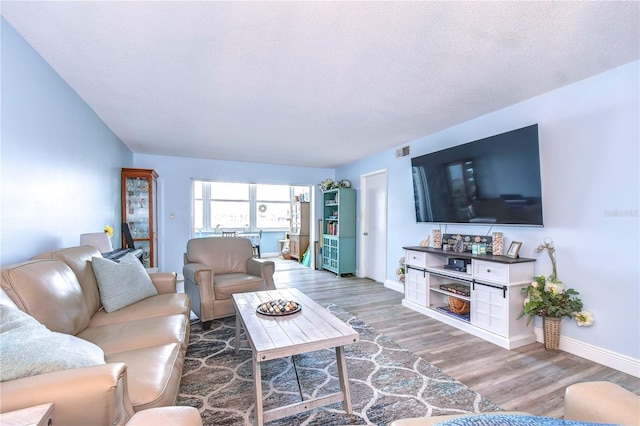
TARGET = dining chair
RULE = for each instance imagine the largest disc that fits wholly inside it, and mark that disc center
(256, 245)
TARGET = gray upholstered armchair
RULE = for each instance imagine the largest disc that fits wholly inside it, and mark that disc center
(216, 268)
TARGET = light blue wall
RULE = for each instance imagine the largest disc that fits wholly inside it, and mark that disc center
(174, 185)
(60, 163)
(61, 177)
(589, 148)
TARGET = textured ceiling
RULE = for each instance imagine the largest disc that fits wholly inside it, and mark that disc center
(315, 83)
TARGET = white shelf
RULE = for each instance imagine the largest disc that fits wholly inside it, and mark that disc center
(464, 276)
(448, 293)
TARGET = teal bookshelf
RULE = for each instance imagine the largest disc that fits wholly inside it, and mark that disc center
(339, 231)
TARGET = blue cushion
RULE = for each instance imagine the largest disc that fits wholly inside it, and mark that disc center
(511, 420)
(122, 284)
(28, 348)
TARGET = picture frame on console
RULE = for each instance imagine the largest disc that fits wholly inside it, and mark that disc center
(514, 248)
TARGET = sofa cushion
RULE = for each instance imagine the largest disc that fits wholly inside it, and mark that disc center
(155, 306)
(142, 333)
(28, 348)
(49, 291)
(79, 260)
(122, 284)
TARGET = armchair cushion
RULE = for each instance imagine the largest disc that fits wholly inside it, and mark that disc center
(227, 284)
(28, 348)
(122, 284)
(222, 255)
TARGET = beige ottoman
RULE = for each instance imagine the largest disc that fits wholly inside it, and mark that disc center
(174, 416)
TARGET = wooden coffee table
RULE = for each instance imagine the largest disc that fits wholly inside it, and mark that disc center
(311, 329)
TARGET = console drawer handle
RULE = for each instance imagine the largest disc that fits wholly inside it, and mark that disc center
(488, 270)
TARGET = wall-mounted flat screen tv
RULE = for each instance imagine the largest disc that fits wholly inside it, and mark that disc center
(494, 181)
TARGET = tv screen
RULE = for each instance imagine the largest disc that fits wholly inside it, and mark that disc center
(495, 180)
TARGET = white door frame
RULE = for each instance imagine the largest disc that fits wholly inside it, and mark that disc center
(382, 254)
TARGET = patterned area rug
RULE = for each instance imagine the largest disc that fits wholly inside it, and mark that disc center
(386, 381)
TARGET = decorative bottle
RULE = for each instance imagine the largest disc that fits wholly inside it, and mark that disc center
(437, 239)
(498, 244)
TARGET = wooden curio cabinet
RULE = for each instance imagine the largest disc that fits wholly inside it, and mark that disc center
(140, 211)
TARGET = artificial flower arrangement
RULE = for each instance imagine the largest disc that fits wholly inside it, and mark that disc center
(400, 270)
(328, 184)
(109, 230)
(547, 297)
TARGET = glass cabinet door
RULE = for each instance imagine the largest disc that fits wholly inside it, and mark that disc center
(139, 211)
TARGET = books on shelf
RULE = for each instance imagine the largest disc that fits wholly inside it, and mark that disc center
(332, 228)
(461, 289)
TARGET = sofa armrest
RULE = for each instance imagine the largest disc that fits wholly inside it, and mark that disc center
(89, 395)
(164, 282)
(601, 402)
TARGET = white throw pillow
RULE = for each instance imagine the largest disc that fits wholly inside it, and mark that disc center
(122, 284)
(29, 348)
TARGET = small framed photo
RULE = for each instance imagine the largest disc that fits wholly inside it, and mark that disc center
(514, 248)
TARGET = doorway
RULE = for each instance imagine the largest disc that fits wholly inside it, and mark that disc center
(373, 225)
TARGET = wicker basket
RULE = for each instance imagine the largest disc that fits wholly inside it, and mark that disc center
(551, 328)
(458, 306)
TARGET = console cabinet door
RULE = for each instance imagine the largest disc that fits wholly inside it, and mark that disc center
(415, 286)
(489, 308)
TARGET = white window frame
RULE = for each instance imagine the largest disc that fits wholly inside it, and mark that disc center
(210, 228)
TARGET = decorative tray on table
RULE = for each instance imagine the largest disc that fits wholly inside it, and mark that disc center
(280, 307)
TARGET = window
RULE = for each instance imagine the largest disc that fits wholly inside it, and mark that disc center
(229, 205)
(272, 206)
(240, 206)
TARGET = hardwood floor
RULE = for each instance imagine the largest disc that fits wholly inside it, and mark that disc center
(526, 379)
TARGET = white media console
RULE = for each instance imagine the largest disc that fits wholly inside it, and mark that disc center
(492, 286)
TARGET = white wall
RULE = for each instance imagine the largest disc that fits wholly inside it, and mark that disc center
(60, 163)
(174, 182)
(589, 148)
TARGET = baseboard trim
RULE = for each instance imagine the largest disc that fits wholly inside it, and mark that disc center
(394, 285)
(597, 354)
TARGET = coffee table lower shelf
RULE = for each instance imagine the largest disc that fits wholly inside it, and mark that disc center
(310, 404)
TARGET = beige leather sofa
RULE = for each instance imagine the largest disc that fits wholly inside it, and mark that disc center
(215, 268)
(144, 343)
(595, 402)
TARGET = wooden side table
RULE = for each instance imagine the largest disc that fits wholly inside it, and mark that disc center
(38, 415)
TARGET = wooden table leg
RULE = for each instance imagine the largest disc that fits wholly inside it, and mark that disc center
(344, 380)
(257, 385)
(237, 333)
